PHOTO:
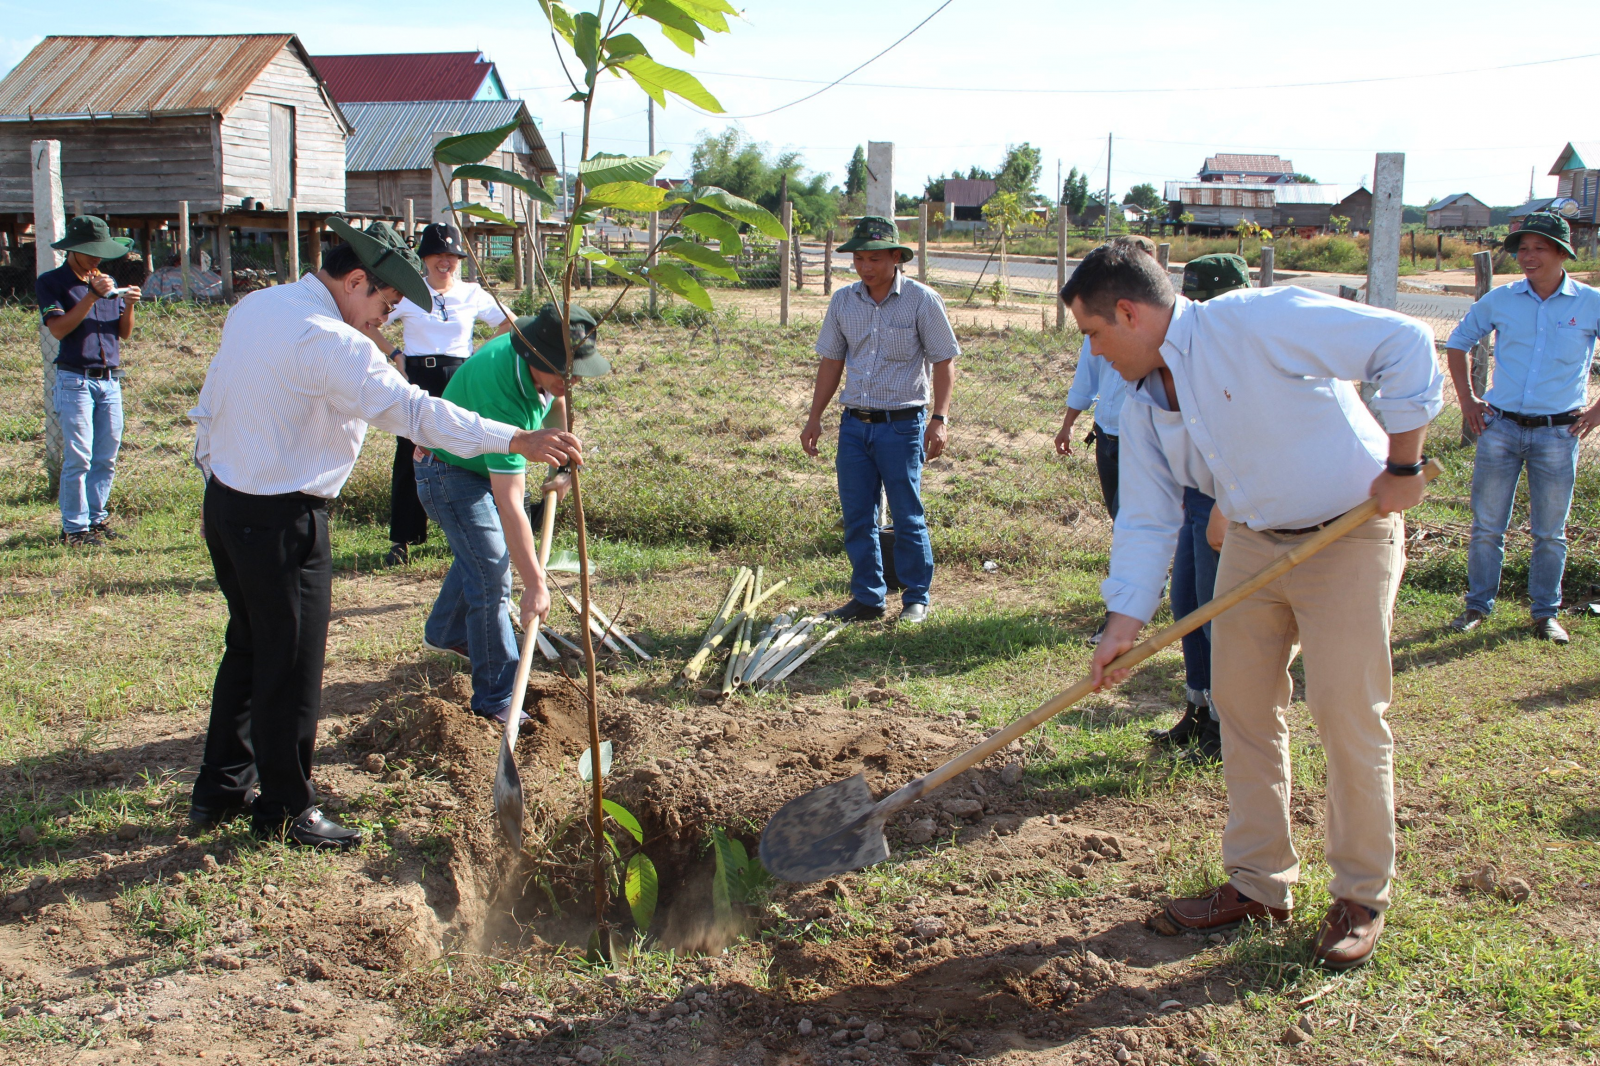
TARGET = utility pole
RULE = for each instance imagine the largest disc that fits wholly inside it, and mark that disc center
(650, 110)
(1108, 186)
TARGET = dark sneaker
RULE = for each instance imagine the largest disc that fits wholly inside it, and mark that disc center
(312, 829)
(86, 538)
(1348, 935)
(1549, 629)
(1094, 638)
(459, 652)
(1467, 620)
(913, 614)
(399, 555)
(105, 531)
(856, 611)
(1184, 732)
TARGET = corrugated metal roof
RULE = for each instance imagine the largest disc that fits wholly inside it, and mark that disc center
(398, 136)
(968, 192)
(407, 76)
(1294, 193)
(69, 77)
(1248, 164)
(1452, 198)
(1586, 153)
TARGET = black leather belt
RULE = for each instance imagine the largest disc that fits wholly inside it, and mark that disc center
(1536, 421)
(431, 361)
(96, 373)
(1306, 529)
(884, 416)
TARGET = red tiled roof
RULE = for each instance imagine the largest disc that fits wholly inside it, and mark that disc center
(405, 76)
(1248, 164)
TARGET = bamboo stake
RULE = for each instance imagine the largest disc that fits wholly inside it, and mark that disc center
(796, 646)
(563, 641)
(755, 653)
(781, 648)
(691, 669)
(611, 628)
(727, 605)
(743, 639)
(792, 667)
(594, 625)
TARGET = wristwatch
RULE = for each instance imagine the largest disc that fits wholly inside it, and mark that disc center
(939, 418)
(1406, 469)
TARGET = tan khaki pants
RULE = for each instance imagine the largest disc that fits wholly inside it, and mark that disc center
(1338, 606)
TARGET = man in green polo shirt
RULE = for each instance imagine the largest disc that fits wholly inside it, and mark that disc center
(514, 378)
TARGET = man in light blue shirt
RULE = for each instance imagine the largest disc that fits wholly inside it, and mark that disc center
(1532, 415)
(1248, 398)
(1095, 384)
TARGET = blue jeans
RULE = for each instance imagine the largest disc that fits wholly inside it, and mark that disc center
(1194, 579)
(1551, 455)
(887, 454)
(90, 411)
(474, 604)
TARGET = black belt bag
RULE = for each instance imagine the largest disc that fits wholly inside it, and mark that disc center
(431, 361)
(1536, 421)
(884, 416)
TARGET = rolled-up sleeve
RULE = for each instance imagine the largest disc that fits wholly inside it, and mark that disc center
(934, 330)
(1149, 514)
(363, 385)
(1085, 380)
(1477, 324)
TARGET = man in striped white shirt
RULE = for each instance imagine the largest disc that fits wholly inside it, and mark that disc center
(280, 421)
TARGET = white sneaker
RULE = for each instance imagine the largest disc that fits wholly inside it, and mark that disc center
(460, 653)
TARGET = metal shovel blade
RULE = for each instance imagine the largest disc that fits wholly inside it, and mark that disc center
(825, 832)
(508, 795)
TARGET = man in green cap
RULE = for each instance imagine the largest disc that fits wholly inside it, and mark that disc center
(1532, 416)
(280, 421)
(90, 317)
(1194, 567)
(893, 336)
(516, 378)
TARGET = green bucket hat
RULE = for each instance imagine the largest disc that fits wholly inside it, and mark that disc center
(1552, 227)
(387, 258)
(1206, 276)
(875, 233)
(537, 339)
(88, 235)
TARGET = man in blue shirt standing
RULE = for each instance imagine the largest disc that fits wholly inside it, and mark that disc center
(1532, 416)
(90, 317)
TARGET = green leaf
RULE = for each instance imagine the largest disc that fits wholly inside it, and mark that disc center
(466, 207)
(624, 817)
(642, 890)
(483, 172)
(673, 278)
(723, 885)
(627, 195)
(611, 841)
(707, 15)
(603, 169)
(737, 207)
(585, 772)
(560, 19)
(678, 37)
(586, 42)
(610, 265)
(714, 227)
(622, 45)
(676, 25)
(658, 80)
(700, 256)
(473, 147)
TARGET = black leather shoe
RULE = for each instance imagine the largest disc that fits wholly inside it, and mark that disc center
(1207, 744)
(913, 614)
(856, 611)
(399, 555)
(1184, 732)
(312, 829)
(1093, 639)
(203, 818)
(1549, 629)
(1467, 620)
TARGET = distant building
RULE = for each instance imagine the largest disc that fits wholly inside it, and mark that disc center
(411, 76)
(964, 198)
(1577, 173)
(1222, 205)
(1460, 210)
(1247, 169)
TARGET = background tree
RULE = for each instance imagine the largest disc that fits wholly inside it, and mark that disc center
(855, 178)
(1302, 179)
(1145, 197)
(746, 168)
(1019, 172)
(1075, 193)
(933, 190)
(1004, 212)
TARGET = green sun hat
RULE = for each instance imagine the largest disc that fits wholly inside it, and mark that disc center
(88, 235)
(1547, 224)
(874, 233)
(537, 339)
(387, 258)
(1206, 276)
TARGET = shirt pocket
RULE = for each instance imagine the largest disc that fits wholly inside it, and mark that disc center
(899, 344)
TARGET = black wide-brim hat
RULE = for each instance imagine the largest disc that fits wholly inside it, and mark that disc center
(874, 233)
(537, 339)
(88, 235)
(1547, 224)
(441, 238)
(386, 257)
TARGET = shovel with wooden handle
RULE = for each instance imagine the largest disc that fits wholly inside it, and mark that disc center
(839, 827)
(508, 806)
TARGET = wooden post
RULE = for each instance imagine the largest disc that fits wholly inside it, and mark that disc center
(783, 257)
(277, 258)
(225, 257)
(292, 224)
(1482, 282)
(439, 207)
(183, 250)
(49, 225)
(411, 220)
(1383, 257)
(1438, 250)
(518, 278)
(799, 263)
(922, 243)
(149, 250)
(1268, 254)
(827, 263)
(316, 245)
(1061, 263)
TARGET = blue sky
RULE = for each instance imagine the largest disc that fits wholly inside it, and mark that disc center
(1477, 132)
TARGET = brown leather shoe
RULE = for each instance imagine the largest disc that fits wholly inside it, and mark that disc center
(1348, 936)
(1221, 908)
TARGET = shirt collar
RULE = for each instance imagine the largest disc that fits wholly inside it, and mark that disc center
(316, 290)
(1180, 331)
(894, 290)
(1568, 287)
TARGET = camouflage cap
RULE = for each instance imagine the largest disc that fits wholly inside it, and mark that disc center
(875, 233)
(1206, 276)
(1547, 224)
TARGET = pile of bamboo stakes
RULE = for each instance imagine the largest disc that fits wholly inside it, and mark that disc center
(756, 662)
(605, 631)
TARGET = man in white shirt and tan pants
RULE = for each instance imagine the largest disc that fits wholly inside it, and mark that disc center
(280, 421)
(1248, 397)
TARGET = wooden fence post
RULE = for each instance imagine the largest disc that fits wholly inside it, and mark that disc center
(922, 243)
(315, 238)
(411, 220)
(225, 257)
(1268, 254)
(827, 263)
(1482, 282)
(292, 224)
(1061, 263)
(799, 263)
(783, 260)
(1164, 257)
(183, 250)
(49, 225)
(518, 277)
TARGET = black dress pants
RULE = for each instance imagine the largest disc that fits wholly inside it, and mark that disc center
(408, 522)
(1106, 447)
(272, 560)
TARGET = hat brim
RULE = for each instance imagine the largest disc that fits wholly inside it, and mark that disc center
(385, 263)
(593, 365)
(1514, 239)
(854, 245)
(99, 249)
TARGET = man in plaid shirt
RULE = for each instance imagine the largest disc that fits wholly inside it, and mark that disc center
(893, 336)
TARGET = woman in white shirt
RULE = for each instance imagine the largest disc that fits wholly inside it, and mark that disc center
(437, 340)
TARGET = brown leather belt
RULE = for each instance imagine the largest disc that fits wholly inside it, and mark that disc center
(1303, 530)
